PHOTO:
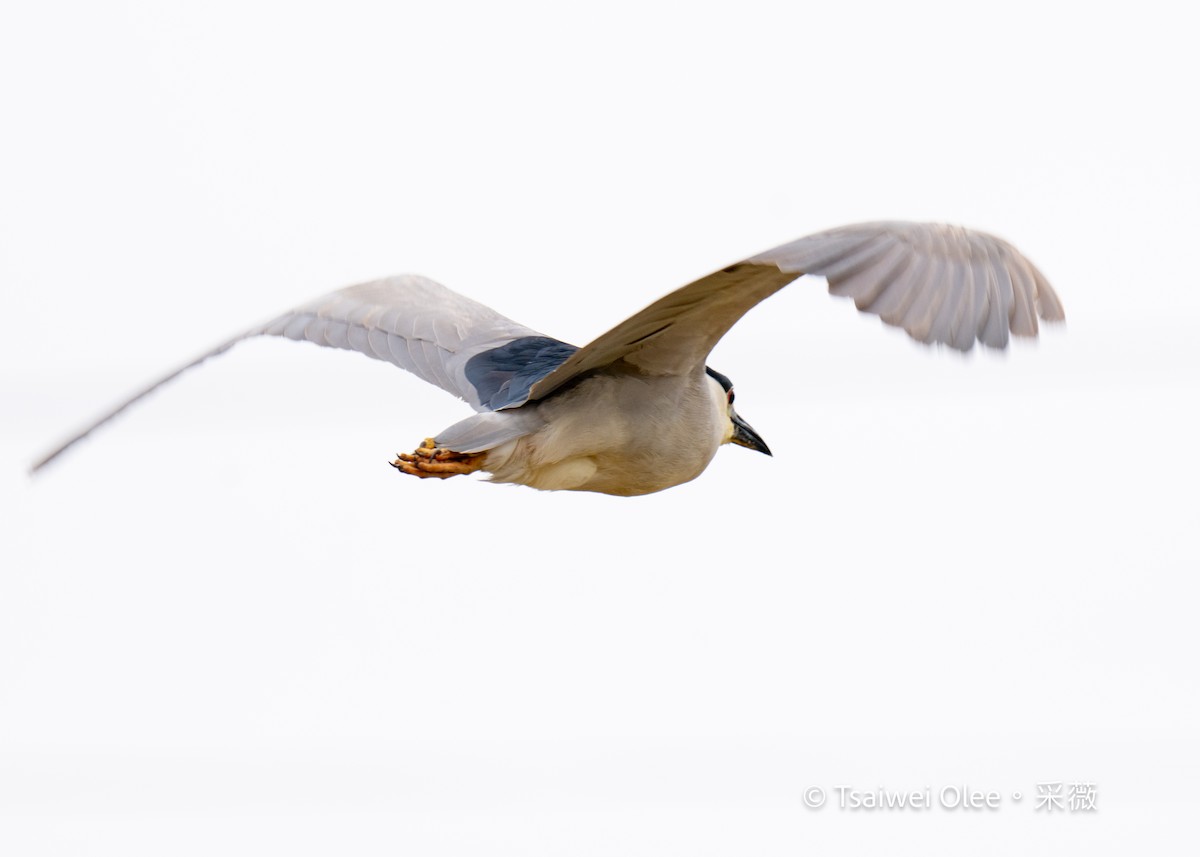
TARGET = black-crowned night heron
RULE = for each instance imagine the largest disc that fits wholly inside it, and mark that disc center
(638, 410)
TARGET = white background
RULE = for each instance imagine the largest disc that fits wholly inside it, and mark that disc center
(227, 626)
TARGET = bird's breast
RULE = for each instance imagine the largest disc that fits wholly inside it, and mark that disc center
(617, 434)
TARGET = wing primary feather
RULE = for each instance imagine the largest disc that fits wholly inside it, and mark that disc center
(1049, 306)
(993, 327)
(918, 318)
(1023, 316)
(970, 327)
(893, 302)
(866, 284)
(962, 330)
(951, 294)
(136, 397)
(863, 257)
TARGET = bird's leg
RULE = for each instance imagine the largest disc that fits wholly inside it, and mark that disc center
(429, 459)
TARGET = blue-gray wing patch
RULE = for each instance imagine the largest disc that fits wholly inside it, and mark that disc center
(502, 376)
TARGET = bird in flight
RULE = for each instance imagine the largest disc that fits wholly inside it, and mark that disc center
(638, 410)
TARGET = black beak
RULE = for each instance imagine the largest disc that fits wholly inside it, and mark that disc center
(745, 436)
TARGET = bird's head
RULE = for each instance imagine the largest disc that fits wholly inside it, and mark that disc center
(738, 431)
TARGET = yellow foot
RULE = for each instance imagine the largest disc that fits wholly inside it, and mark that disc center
(429, 459)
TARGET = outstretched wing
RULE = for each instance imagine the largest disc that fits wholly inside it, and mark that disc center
(942, 284)
(423, 327)
(440, 336)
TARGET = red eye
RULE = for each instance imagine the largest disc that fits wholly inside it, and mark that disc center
(731, 396)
